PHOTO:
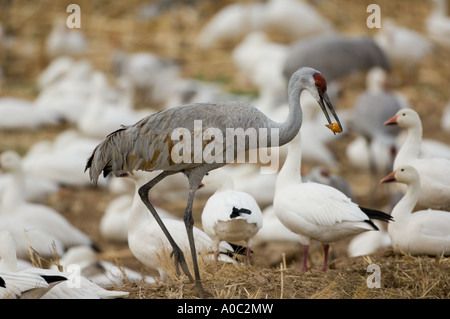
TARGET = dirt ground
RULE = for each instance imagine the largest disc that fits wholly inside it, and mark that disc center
(275, 270)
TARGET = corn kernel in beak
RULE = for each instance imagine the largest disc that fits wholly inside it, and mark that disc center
(334, 127)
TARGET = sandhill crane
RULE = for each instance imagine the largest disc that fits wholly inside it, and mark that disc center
(147, 242)
(371, 109)
(350, 55)
(322, 175)
(149, 145)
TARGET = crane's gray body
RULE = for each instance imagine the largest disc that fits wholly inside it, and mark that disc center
(371, 110)
(147, 145)
(335, 56)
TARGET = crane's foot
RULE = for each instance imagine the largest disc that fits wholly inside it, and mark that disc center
(202, 292)
(179, 260)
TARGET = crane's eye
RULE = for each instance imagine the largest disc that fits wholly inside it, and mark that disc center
(321, 84)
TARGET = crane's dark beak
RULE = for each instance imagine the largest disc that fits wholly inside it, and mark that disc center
(325, 104)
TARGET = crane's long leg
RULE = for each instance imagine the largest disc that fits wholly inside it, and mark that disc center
(189, 222)
(177, 252)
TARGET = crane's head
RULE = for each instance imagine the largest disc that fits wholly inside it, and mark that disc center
(324, 102)
(316, 85)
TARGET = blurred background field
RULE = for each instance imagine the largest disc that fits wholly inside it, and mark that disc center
(170, 30)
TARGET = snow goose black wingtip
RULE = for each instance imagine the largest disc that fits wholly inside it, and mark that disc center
(377, 214)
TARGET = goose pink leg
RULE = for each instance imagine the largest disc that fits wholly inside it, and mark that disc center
(326, 248)
(305, 258)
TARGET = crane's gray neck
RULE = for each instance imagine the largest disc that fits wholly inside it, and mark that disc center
(290, 127)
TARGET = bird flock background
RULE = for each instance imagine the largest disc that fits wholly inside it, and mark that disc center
(63, 90)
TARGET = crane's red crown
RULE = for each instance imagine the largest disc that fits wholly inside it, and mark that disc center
(320, 82)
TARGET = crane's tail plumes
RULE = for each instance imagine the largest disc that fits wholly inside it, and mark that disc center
(376, 214)
(107, 157)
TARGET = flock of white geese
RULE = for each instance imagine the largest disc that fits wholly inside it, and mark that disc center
(319, 207)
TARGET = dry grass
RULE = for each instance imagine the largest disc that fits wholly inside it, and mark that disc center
(402, 277)
(275, 271)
